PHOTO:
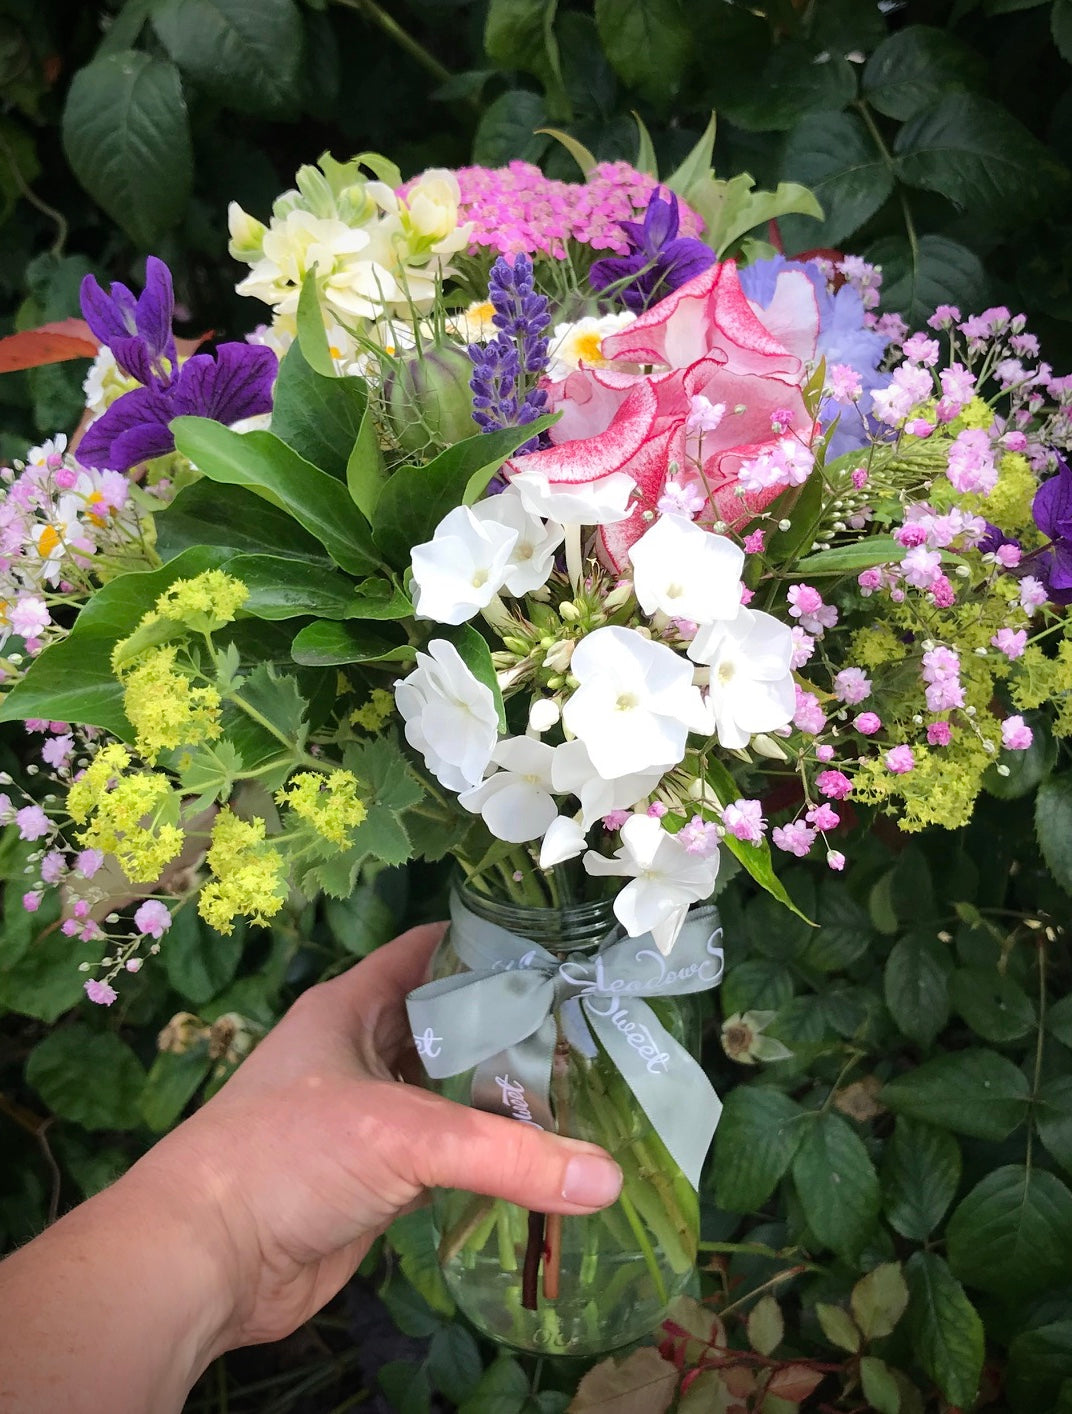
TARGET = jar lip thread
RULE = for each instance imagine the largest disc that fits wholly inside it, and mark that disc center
(572, 925)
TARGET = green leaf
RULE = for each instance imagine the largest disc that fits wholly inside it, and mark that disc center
(245, 53)
(90, 1077)
(694, 173)
(577, 150)
(1053, 1118)
(879, 1386)
(974, 1092)
(73, 680)
(1040, 1364)
(757, 1136)
(844, 932)
(208, 773)
(311, 332)
(879, 1299)
(170, 1085)
(232, 518)
(834, 155)
(519, 34)
(766, 1328)
(362, 921)
(1061, 28)
(324, 644)
(454, 1362)
(125, 29)
(837, 1185)
(379, 599)
(288, 589)
(976, 154)
(414, 1239)
(645, 160)
(508, 129)
(416, 498)
(1012, 1234)
(127, 138)
(994, 1006)
(796, 85)
(849, 559)
(262, 462)
(648, 43)
(1053, 826)
(320, 418)
(758, 983)
(917, 278)
(917, 66)
(946, 1332)
(200, 962)
(407, 1386)
(732, 208)
(641, 1382)
(838, 1326)
(917, 987)
(1059, 1020)
(502, 1389)
(920, 1175)
(39, 975)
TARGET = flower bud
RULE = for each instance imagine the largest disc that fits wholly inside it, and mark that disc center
(764, 745)
(247, 234)
(428, 400)
(544, 714)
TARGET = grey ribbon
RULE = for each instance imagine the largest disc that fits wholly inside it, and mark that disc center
(498, 1020)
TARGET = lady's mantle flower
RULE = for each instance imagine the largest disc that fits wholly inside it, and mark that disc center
(659, 260)
(635, 704)
(450, 716)
(462, 568)
(329, 803)
(666, 879)
(516, 802)
(249, 880)
(685, 572)
(750, 687)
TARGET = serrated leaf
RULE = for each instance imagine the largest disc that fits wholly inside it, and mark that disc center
(994, 1005)
(879, 1386)
(277, 698)
(947, 1334)
(1053, 826)
(1012, 1234)
(796, 83)
(920, 1175)
(503, 1389)
(200, 962)
(519, 34)
(321, 418)
(207, 773)
(838, 1327)
(974, 1091)
(766, 1328)
(916, 986)
(246, 53)
(1040, 1368)
(90, 1077)
(171, 1084)
(917, 66)
(127, 138)
(917, 278)
(648, 44)
(1053, 1118)
(757, 1137)
(835, 157)
(508, 129)
(641, 1383)
(976, 154)
(842, 935)
(413, 1238)
(837, 1185)
(879, 1299)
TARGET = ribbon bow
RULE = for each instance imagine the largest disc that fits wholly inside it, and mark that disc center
(498, 1020)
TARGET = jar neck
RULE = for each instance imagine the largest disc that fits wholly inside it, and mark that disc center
(569, 927)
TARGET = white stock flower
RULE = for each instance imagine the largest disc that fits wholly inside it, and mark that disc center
(666, 879)
(687, 572)
(516, 803)
(635, 705)
(751, 685)
(599, 502)
(462, 568)
(533, 556)
(450, 716)
(572, 773)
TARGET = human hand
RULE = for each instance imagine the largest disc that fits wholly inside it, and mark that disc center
(314, 1146)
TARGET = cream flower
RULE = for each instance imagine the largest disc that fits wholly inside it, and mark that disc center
(580, 345)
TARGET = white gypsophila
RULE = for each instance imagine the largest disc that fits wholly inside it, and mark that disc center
(462, 568)
(533, 556)
(635, 704)
(751, 685)
(580, 345)
(600, 502)
(572, 773)
(666, 879)
(563, 840)
(686, 572)
(450, 716)
(516, 802)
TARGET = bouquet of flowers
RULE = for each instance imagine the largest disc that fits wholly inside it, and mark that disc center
(577, 535)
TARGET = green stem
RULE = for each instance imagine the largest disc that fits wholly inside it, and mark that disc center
(643, 1243)
(401, 37)
(887, 157)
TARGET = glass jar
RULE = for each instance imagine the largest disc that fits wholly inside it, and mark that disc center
(572, 1285)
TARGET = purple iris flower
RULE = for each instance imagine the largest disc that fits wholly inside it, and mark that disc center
(233, 384)
(1052, 510)
(659, 260)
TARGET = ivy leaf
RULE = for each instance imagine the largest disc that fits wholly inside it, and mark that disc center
(127, 138)
(946, 1332)
(90, 1077)
(246, 53)
(833, 154)
(917, 278)
(1053, 826)
(837, 1185)
(917, 66)
(1012, 1234)
(917, 987)
(756, 1139)
(919, 1177)
(975, 1092)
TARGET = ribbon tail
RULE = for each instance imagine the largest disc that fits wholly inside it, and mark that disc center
(516, 1082)
(670, 1087)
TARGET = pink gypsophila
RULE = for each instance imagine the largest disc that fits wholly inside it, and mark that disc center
(824, 817)
(795, 838)
(153, 918)
(852, 685)
(900, 760)
(834, 784)
(1010, 641)
(744, 820)
(939, 734)
(808, 716)
(971, 467)
(1016, 735)
(868, 723)
(100, 992)
(699, 836)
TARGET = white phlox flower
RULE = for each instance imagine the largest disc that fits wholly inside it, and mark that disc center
(600, 502)
(666, 879)
(462, 568)
(516, 802)
(751, 685)
(572, 773)
(686, 572)
(635, 704)
(564, 840)
(450, 716)
(533, 555)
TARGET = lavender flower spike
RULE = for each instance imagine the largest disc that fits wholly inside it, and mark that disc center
(518, 352)
(136, 329)
(659, 260)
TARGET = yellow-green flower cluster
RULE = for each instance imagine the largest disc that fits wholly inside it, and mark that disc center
(132, 816)
(377, 711)
(204, 603)
(164, 707)
(1042, 679)
(249, 874)
(329, 803)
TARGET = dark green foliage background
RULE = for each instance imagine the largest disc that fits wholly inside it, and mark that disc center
(938, 135)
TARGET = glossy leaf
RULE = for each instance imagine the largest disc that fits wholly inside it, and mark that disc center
(324, 644)
(1053, 826)
(916, 66)
(834, 155)
(994, 1005)
(917, 278)
(916, 982)
(648, 44)
(246, 53)
(232, 518)
(321, 418)
(975, 1092)
(946, 1332)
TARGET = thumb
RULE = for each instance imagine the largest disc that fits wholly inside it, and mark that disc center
(446, 1145)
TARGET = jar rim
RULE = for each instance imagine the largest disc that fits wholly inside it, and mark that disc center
(570, 926)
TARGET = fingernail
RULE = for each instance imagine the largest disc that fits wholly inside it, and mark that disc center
(591, 1181)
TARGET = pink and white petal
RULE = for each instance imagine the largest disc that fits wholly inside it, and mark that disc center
(793, 314)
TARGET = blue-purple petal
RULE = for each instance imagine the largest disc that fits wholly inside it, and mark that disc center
(133, 429)
(237, 383)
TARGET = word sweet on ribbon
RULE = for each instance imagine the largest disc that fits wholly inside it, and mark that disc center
(498, 1020)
